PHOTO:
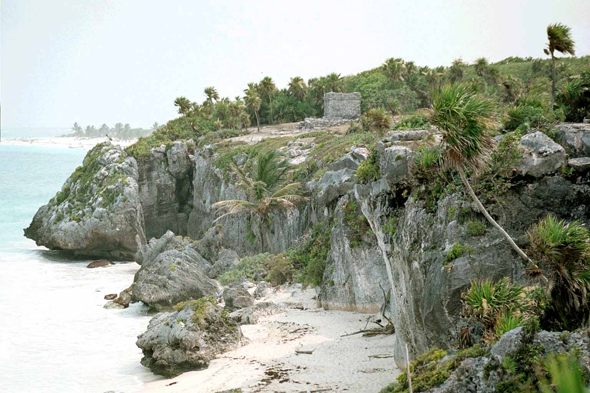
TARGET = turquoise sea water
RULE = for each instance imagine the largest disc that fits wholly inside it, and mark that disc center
(55, 335)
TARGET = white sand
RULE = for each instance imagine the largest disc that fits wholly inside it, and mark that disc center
(64, 142)
(268, 363)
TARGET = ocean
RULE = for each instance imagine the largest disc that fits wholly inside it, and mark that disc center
(55, 335)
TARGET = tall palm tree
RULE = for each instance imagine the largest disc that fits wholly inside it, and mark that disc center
(267, 192)
(267, 88)
(297, 87)
(254, 102)
(559, 40)
(211, 94)
(183, 104)
(464, 120)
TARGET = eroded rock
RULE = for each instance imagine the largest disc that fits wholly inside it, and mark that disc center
(187, 339)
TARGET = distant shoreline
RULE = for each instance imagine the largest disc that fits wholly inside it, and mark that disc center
(63, 142)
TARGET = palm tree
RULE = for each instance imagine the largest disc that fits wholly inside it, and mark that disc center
(297, 87)
(254, 102)
(394, 69)
(456, 70)
(183, 104)
(464, 120)
(267, 88)
(333, 82)
(268, 190)
(211, 94)
(561, 41)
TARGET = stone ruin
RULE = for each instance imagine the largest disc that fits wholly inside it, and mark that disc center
(342, 105)
(339, 108)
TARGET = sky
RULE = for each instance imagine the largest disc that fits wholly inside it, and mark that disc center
(108, 61)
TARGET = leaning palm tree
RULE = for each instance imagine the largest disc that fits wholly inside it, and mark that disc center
(211, 94)
(464, 120)
(559, 40)
(268, 191)
(183, 104)
(297, 87)
(267, 88)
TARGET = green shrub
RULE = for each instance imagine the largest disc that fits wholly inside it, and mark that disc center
(357, 222)
(531, 116)
(426, 160)
(377, 120)
(368, 170)
(564, 250)
(252, 268)
(457, 251)
(310, 257)
(414, 122)
(486, 298)
(280, 270)
(476, 228)
(574, 98)
(507, 321)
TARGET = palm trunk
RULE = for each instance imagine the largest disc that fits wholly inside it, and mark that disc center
(490, 219)
(261, 241)
(553, 81)
(257, 120)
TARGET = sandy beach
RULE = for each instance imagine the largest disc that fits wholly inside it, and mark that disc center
(64, 142)
(268, 362)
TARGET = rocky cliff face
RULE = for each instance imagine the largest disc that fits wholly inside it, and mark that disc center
(98, 210)
(384, 237)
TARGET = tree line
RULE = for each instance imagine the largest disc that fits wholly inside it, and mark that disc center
(119, 131)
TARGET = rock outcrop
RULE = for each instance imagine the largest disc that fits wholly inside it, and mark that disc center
(187, 339)
(484, 374)
(171, 271)
(98, 210)
(540, 155)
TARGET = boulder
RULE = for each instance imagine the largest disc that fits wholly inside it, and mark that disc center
(540, 155)
(237, 297)
(485, 374)
(179, 163)
(101, 263)
(98, 212)
(252, 314)
(332, 185)
(261, 289)
(171, 271)
(575, 138)
(112, 305)
(187, 339)
(227, 260)
(394, 164)
(409, 135)
(110, 296)
(581, 164)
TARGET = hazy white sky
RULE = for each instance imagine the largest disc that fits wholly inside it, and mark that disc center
(107, 61)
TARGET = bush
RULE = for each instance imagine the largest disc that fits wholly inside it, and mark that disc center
(426, 160)
(368, 170)
(531, 116)
(310, 257)
(414, 122)
(376, 120)
(280, 270)
(457, 251)
(564, 251)
(574, 98)
(476, 228)
(252, 268)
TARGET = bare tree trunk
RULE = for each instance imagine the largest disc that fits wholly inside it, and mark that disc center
(257, 120)
(270, 106)
(490, 219)
(553, 81)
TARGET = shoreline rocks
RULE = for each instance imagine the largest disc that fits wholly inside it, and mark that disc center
(187, 339)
